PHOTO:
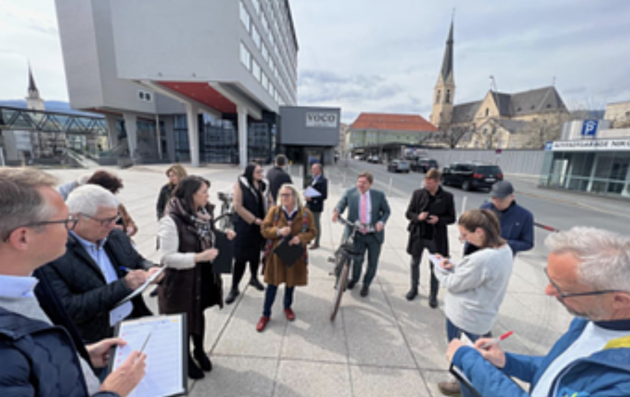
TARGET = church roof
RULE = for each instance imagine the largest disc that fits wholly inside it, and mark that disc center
(392, 122)
(513, 105)
(514, 126)
(447, 62)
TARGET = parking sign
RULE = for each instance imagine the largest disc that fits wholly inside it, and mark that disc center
(589, 128)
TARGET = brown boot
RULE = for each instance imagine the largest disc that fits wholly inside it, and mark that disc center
(450, 388)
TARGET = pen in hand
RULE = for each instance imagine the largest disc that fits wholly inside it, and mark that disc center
(496, 341)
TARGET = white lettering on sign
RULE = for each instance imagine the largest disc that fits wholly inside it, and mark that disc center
(591, 145)
(321, 119)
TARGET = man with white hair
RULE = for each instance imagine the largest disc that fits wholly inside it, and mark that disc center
(100, 268)
(589, 273)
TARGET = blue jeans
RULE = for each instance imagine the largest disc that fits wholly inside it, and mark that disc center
(270, 297)
(453, 332)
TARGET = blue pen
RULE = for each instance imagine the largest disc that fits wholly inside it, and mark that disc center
(124, 269)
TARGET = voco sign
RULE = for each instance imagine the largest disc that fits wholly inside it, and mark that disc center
(320, 119)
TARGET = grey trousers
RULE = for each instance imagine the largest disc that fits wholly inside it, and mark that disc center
(317, 216)
(369, 243)
(415, 267)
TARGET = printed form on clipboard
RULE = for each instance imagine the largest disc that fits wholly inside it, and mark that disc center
(436, 264)
(163, 340)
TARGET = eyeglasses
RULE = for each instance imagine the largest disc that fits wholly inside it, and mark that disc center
(286, 195)
(70, 223)
(564, 295)
(103, 222)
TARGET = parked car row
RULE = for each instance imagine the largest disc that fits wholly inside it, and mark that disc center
(398, 166)
(423, 165)
(471, 175)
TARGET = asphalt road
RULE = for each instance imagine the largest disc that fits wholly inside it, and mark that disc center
(560, 210)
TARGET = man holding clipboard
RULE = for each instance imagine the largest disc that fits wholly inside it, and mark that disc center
(316, 194)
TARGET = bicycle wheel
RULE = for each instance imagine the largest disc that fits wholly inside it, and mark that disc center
(340, 289)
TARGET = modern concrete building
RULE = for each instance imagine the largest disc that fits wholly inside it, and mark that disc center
(186, 80)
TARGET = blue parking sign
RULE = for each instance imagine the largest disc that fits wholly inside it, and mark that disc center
(589, 128)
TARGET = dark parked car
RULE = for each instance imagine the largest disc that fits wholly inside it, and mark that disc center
(471, 175)
(423, 165)
(398, 166)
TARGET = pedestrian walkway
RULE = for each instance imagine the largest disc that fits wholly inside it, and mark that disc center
(378, 346)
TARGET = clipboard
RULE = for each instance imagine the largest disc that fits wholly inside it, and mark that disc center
(436, 264)
(222, 264)
(464, 381)
(167, 362)
(289, 254)
(140, 289)
(311, 192)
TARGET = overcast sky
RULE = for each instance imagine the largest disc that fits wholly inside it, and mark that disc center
(384, 56)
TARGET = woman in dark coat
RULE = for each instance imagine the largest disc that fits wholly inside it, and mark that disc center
(186, 244)
(175, 173)
(250, 205)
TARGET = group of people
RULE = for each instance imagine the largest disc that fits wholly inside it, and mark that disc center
(67, 259)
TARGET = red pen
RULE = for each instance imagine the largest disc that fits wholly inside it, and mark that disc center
(497, 340)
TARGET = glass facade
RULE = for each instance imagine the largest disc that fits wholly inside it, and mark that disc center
(605, 173)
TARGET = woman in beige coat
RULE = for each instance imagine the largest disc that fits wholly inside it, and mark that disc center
(288, 220)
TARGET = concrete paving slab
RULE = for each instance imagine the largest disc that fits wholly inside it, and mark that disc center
(378, 382)
(312, 379)
(237, 377)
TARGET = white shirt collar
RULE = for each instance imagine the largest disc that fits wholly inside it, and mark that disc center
(17, 286)
(88, 244)
(287, 212)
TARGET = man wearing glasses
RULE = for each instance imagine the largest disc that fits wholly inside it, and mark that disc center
(37, 358)
(589, 273)
(100, 268)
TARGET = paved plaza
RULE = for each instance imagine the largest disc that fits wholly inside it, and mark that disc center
(381, 345)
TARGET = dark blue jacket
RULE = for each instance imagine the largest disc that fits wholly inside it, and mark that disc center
(603, 374)
(517, 226)
(38, 360)
(317, 203)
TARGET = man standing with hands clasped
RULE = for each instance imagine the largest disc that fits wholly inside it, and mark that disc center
(430, 211)
(368, 206)
(316, 204)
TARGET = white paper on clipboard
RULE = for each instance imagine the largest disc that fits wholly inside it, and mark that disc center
(163, 340)
(311, 192)
(141, 288)
(436, 264)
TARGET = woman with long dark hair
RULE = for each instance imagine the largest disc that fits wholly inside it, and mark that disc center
(250, 205)
(187, 246)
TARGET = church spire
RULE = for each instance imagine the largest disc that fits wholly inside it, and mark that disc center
(447, 62)
(31, 80)
(33, 100)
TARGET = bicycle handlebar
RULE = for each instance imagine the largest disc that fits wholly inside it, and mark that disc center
(356, 225)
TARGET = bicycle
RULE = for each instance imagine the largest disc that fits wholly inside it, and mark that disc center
(344, 256)
(224, 220)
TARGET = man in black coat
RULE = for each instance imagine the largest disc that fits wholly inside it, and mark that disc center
(277, 177)
(100, 268)
(430, 211)
(316, 204)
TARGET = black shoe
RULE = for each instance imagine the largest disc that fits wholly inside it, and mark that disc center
(232, 296)
(203, 360)
(256, 284)
(194, 372)
(365, 291)
(412, 294)
(351, 284)
(433, 301)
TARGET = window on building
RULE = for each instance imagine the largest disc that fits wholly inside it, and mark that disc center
(437, 98)
(265, 81)
(245, 19)
(265, 53)
(256, 4)
(487, 112)
(256, 70)
(246, 57)
(265, 23)
(448, 96)
(256, 36)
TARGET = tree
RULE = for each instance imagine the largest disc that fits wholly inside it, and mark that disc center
(545, 129)
(453, 134)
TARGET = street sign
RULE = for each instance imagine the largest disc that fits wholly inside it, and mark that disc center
(589, 128)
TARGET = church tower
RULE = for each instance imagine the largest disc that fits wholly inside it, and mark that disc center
(444, 91)
(33, 100)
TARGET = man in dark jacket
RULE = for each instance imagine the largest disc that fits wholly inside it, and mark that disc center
(316, 204)
(517, 223)
(430, 211)
(100, 268)
(38, 358)
(277, 177)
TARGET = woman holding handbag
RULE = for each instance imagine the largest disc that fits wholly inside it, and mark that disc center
(290, 221)
(187, 248)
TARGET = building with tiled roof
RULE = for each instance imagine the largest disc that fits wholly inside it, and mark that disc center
(381, 128)
(543, 107)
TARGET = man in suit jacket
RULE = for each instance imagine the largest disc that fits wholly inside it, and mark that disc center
(430, 211)
(100, 266)
(369, 206)
(277, 177)
(316, 204)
